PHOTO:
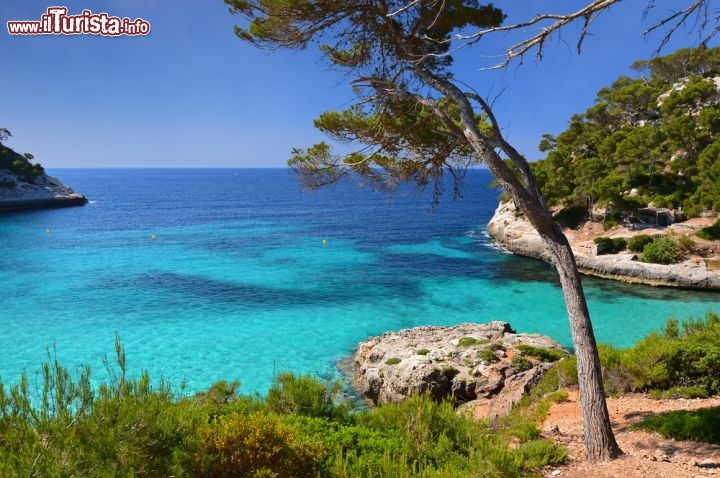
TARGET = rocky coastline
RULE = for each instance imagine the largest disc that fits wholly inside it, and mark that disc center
(515, 234)
(42, 192)
(487, 367)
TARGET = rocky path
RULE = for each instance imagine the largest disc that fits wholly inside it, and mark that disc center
(646, 454)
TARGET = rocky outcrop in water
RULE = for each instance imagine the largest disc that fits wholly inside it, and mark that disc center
(41, 192)
(485, 363)
(515, 234)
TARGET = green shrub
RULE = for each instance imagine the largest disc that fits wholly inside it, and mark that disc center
(128, 427)
(543, 354)
(449, 372)
(488, 355)
(608, 245)
(258, 445)
(393, 361)
(423, 352)
(663, 250)
(678, 358)
(122, 428)
(710, 233)
(612, 219)
(698, 425)
(538, 453)
(680, 392)
(686, 243)
(470, 341)
(638, 243)
(305, 395)
(521, 363)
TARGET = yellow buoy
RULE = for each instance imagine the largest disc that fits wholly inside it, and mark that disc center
(324, 242)
(153, 237)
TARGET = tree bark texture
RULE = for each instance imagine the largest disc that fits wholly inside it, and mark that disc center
(600, 441)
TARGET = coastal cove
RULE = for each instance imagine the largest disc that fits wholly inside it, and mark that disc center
(237, 283)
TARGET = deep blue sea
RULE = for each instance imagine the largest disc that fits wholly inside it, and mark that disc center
(210, 274)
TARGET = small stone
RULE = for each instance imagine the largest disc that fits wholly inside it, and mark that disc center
(556, 473)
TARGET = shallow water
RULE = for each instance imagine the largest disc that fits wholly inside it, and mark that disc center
(237, 283)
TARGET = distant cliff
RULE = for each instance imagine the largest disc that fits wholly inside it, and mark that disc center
(515, 234)
(24, 185)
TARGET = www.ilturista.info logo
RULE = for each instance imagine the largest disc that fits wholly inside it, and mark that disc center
(57, 22)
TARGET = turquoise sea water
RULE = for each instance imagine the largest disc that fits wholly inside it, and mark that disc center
(237, 283)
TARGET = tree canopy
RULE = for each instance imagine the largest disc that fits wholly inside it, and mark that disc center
(654, 138)
(20, 164)
(405, 129)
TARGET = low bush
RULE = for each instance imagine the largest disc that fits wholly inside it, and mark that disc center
(543, 354)
(686, 243)
(393, 361)
(258, 445)
(638, 243)
(521, 363)
(470, 341)
(612, 219)
(488, 356)
(710, 233)
(682, 359)
(663, 250)
(608, 245)
(698, 425)
(305, 395)
(423, 352)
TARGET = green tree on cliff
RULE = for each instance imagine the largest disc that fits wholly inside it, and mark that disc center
(654, 134)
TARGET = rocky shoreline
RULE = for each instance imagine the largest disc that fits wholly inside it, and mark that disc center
(488, 366)
(516, 235)
(43, 192)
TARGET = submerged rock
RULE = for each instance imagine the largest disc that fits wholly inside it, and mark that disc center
(468, 362)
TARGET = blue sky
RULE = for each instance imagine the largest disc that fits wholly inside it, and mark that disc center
(190, 94)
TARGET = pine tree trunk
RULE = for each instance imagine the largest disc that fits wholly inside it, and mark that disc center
(600, 442)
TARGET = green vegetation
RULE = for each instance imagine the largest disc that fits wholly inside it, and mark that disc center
(129, 427)
(662, 250)
(543, 354)
(681, 361)
(710, 233)
(698, 425)
(571, 217)
(19, 164)
(638, 243)
(423, 352)
(488, 355)
(686, 243)
(393, 361)
(609, 245)
(521, 363)
(653, 138)
(470, 341)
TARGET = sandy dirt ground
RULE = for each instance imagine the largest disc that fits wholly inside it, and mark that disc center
(646, 454)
